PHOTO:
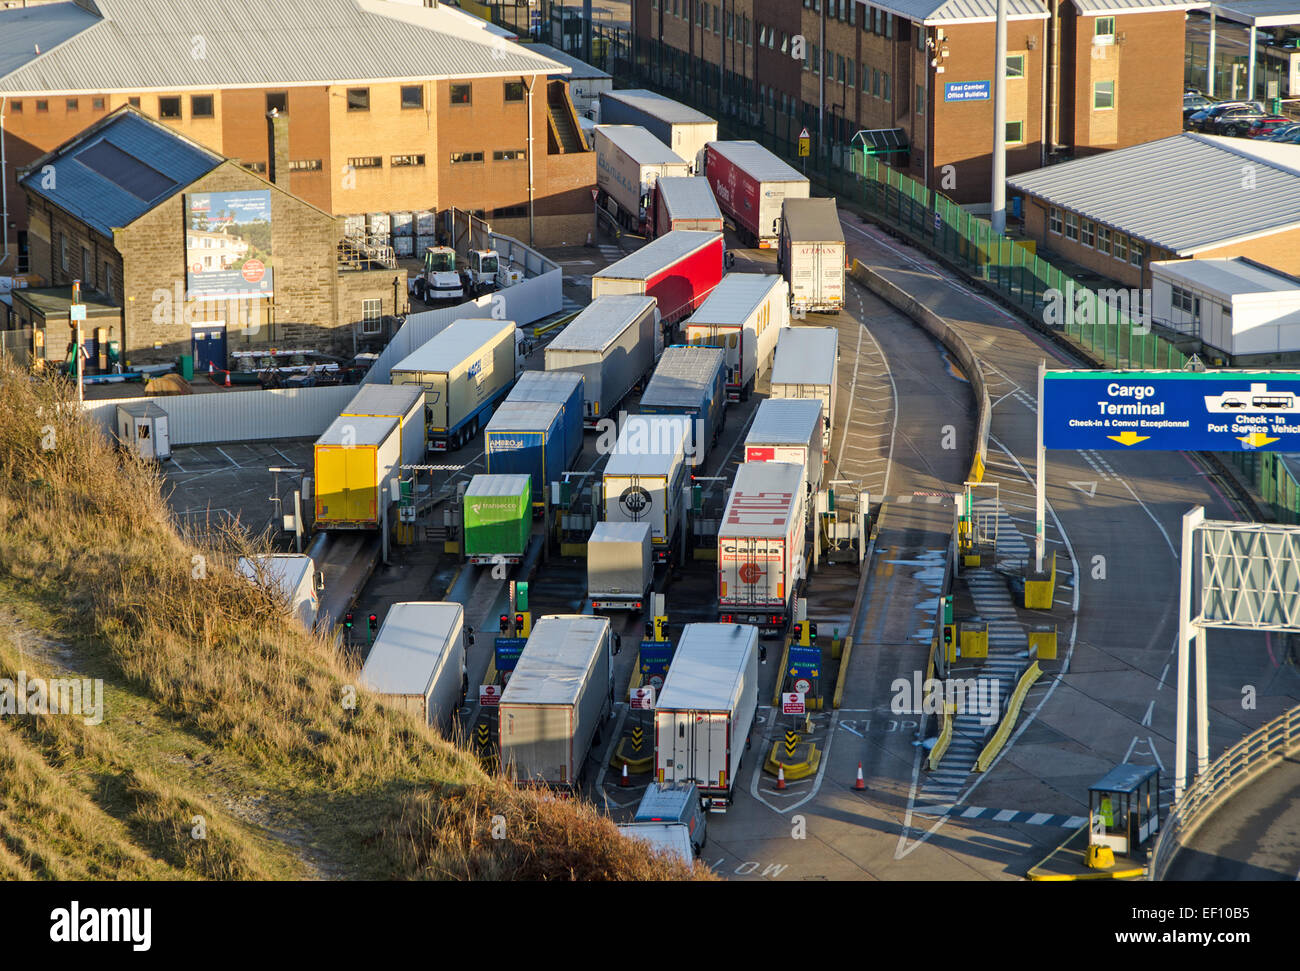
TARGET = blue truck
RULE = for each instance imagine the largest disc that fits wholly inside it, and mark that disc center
(691, 381)
(565, 388)
(528, 438)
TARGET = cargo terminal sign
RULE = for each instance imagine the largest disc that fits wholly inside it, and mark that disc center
(1214, 411)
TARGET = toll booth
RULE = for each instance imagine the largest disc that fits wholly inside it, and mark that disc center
(1124, 808)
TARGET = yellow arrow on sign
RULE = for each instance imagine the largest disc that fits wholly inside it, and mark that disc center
(1128, 438)
(1255, 439)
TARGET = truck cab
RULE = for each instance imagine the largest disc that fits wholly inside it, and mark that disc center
(439, 279)
(487, 271)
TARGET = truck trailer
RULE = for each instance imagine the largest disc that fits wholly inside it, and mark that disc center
(644, 478)
(464, 371)
(561, 689)
(682, 128)
(685, 204)
(705, 712)
(629, 160)
(292, 576)
(564, 388)
(761, 545)
(811, 255)
(788, 430)
(497, 518)
(679, 270)
(403, 402)
(613, 344)
(750, 183)
(744, 315)
(528, 438)
(620, 566)
(353, 460)
(804, 367)
(691, 382)
(417, 663)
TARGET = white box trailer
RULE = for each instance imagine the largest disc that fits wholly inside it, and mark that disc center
(464, 371)
(761, 545)
(682, 128)
(811, 254)
(559, 692)
(291, 575)
(672, 838)
(417, 663)
(645, 475)
(629, 160)
(705, 711)
(614, 344)
(142, 428)
(804, 367)
(743, 315)
(685, 204)
(788, 430)
(620, 566)
(403, 402)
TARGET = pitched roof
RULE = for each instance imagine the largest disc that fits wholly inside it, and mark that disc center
(108, 46)
(1089, 8)
(118, 169)
(1212, 190)
(962, 11)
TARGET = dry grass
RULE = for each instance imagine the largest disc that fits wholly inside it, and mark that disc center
(219, 706)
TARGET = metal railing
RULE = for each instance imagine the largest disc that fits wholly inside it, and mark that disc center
(1245, 761)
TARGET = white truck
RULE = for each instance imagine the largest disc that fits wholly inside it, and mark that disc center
(685, 204)
(417, 663)
(806, 359)
(811, 255)
(744, 315)
(682, 128)
(438, 280)
(788, 430)
(705, 712)
(761, 545)
(629, 160)
(485, 271)
(644, 478)
(614, 344)
(292, 576)
(620, 566)
(671, 838)
(560, 691)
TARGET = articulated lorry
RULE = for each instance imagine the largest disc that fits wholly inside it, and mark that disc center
(417, 663)
(811, 255)
(564, 388)
(685, 204)
(644, 478)
(750, 184)
(292, 576)
(804, 367)
(788, 430)
(620, 566)
(682, 128)
(354, 459)
(744, 315)
(629, 161)
(691, 382)
(497, 518)
(679, 270)
(613, 344)
(531, 438)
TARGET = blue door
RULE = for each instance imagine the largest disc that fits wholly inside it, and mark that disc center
(209, 344)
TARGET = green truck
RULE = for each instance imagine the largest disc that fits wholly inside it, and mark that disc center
(498, 518)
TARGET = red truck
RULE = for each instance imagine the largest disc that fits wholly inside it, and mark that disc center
(678, 269)
(750, 184)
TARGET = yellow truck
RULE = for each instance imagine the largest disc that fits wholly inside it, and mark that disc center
(354, 459)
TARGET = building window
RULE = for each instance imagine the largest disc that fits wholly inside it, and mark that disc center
(919, 31)
(71, 104)
(305, 165)
(1104, 31)
(1186, 301)
(406, 161)
(1121, 247)
(875, 83)
(510, 155)
(511, 212)
(43, 106)
(1135, 251)
(1054, 220)
(133, 102)
(16, 107)
(1015, 132)
(1015, 66)
(63, 251)
(1103, 240)
(108, 280)
(86, 270)
(884, 86)
(358, 99)
(889, 26)
(1072, 226)
(458, 158)
(1087, 235)
(367, 162)
(97, 104)
(816, 58)
(277, 101)
(461, 94)
(201, 106)
(920, 100)
(849, 80)
(839, 68)
(371, 316)
(1103, 95)
(412, 96)
(514, 91)
(169, 107)
(258, 167)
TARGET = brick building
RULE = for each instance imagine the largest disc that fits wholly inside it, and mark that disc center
(1082, 75)
(392, 108)
(197, 254)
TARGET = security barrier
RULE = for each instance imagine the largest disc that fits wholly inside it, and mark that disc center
(945, 737)
(1003, 731)
(1040, 593)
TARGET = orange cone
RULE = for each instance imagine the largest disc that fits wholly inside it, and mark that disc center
(623, 783)
(227, 379)
(780, 778)
(860, 784)
(211, 369)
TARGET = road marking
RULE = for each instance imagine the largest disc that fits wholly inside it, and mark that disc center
(228, 458)
(1162, 677)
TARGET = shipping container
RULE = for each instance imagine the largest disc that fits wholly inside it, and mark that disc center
(552, 707)
(613, 343)
(685, 204)
(744, 315)
(750, 184)
(691, 382)
(564, 388)
(293, 576)
(417, 663)
(620, 566)
(811, 255)
(679, 270)
(629, 160)
(761, 545)
(804, 367)
(705, 712)
(403, 402)
(675, 802)
(682, 128)
(671, 838)
(644, 478)
(465, 370)
(354, 460)
(497, 517)
(789, 430)
(527, 438)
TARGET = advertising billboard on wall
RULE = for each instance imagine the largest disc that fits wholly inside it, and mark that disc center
(228, 245)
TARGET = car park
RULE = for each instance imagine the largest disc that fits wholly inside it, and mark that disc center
(1263, 127)
(1204, 119)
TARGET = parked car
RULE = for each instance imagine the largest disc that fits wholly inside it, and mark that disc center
(1261, 127)
(1204, 119)
(1283, 133)
(1195, 102)
(1234, 121)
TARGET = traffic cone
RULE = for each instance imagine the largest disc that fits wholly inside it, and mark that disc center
(860, 784)
(780, 778)
(623, 783)
(227, 379)
(211, 369)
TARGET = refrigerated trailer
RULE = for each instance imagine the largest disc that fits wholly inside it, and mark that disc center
(685, 204)
(613, 344)
(788, 430)
(403, 402)
(811, 254)
(644, 478)
(497, 518)
(744, 315)
(804, 367)
(705, 712)
(417, 663)
(620, 566)
(560, 691)
(679, 270)
(691, 382)
(682, 128)
(353, 461)
(464, 371)
(750, 183)
(629, 160)
(761, 545)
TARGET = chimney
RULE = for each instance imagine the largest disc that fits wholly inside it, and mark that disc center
(277, 128)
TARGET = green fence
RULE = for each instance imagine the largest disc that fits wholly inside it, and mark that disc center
(1273, 479)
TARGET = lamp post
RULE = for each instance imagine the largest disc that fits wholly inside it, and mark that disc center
(998, 216)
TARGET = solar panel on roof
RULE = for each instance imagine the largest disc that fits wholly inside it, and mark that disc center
(124, 170)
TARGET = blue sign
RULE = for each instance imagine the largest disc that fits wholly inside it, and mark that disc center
(1213, 411)
(508, 650)
(806, 661)
(655, 658)
(967, 91)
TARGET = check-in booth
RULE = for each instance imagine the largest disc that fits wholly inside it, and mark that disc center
(1124, 808)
